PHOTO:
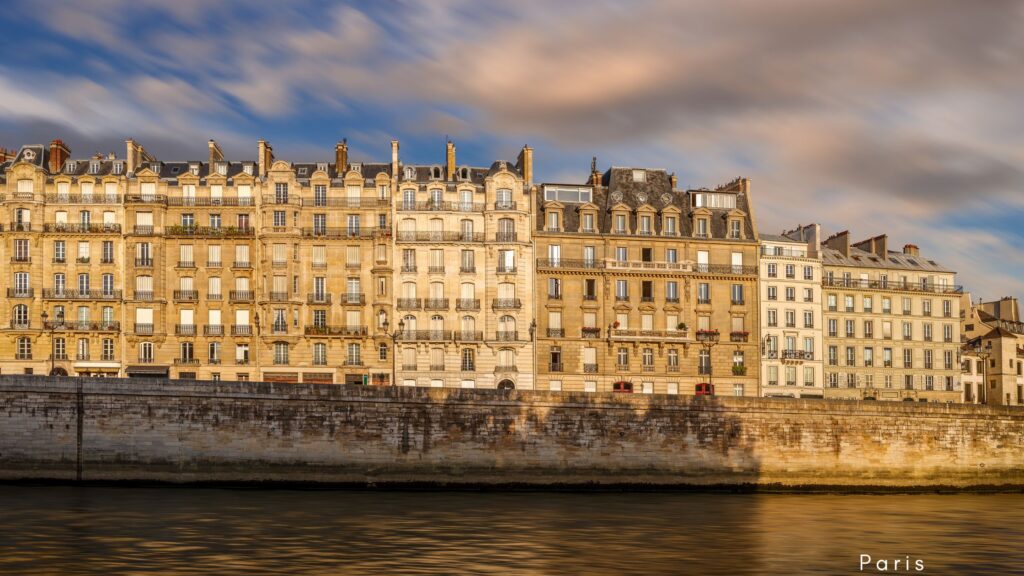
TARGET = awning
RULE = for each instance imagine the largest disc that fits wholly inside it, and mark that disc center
(147, 370)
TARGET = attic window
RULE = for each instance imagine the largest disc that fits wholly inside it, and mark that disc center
(155, 167)
(247, 169)
(321, 166)
(410, 173)
(932, 262)
(303, 170)
(464, 173)
(357, 167)
(70, 166)
(435, 172)
(118, 167)
(222, 168)
(912, 262)
(175, 169)
(639, 176)
(94, 167)
(194, 170)
(29, 155)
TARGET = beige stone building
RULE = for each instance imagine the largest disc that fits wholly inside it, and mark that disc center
(791, 314)
(646, 287)
(892, 323)
(993, 352)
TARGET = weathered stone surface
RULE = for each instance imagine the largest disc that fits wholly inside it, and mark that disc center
(246, 431)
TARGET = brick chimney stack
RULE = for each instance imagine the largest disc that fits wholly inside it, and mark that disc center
(525, 165)
(450, 160)
(265, 157)
(394, 159)
(59, 153)
(216, 154)
(341, 156)
(911, 250)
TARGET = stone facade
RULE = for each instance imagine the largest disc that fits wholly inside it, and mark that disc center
(646, 287)
(993, 352)
(175, 431)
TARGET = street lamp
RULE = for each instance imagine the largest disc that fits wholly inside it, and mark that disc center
(394, 348)
(984, 353)
(45, 316)
(708, 339)
(256, 321)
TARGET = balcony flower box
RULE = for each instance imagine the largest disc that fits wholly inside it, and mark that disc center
(707, 335)
(739, 370)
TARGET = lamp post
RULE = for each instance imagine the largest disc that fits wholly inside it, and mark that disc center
(533, 351)
(256, 320)
(708, 340)
(46, 316)
(394, 348)
(984, 352)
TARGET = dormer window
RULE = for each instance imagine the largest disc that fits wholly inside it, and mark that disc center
(639, 176)
(620, 223)
(701, 228)
(70, 166)
(645, 226)
(464, 173)
(194, 169)
(410, 173)
(553, 222)
(588, 222)
(435, 172)
(155, 167)
(247, 169)
(118, 167)
(357, 167)
(303, 171)
(222, 168)
(321, 167)
(670, 226)
(735, 229)
(94, 167)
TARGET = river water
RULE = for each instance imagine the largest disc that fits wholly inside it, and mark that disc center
(110, 530)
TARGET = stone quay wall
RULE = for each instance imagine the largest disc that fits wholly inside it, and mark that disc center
(185, 431)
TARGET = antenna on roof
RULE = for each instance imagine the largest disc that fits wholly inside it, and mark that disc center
(593, 164)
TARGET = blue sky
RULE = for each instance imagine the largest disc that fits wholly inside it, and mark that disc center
(873, 116)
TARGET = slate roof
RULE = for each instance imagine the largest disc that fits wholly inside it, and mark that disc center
(895, 260)
(779, 238)
(617, 187)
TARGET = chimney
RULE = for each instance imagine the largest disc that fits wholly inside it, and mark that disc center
(266, 157)
(911, 250)
(525, 165)
(216, 155)
(135, 155)
(59, 153)
(673, 180)
(879, 246)
(595, 176)
(394, 159)
(341, 157)
(450, 160)
(839, 241)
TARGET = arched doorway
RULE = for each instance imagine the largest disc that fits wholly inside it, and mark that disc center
(506, 385)
(58, 372)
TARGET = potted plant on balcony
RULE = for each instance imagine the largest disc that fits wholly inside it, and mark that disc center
(707, 335)
(739, 335)
(739, 370)
(615, 324)
(682, 326)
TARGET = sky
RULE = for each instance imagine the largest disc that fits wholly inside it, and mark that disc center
(901, 118)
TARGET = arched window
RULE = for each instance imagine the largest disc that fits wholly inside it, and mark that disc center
(436, 196)
(468, 325)
(466, 228)
(436, 229)
(507, 323)
(146, 352)
(408, 289)
(19, 316)
(409, 199)
(410, 323)
(436, 323)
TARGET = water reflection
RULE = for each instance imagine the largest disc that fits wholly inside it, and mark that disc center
(140, 530)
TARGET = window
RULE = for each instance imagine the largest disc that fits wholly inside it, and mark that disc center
(621, 290)
(639, 175)
(808, 319)
(808, 273)
(790, 294)
(354, 356)
(736, 231)
(622, 357)
(773, 270)
(280, 352)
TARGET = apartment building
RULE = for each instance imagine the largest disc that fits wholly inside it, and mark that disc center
(464, 248)
(993, 352)
(892, 323)
(645, 287)
(791, 316)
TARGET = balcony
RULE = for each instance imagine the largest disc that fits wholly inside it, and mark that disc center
(506, 336)
(738, 301)
(892, 285)
(210, 231)
(467, 304)
(505, 237)
(440, 206)
(186, 295)
(739, 370)
(82, 356)
(20, 227)
(351, 299)
(427, 335)
(555, 367)
(728, 269)
(213, 264)
(619, 367)
(80, 199)
(20, 292)
(83, 228)
(215, 296)
(282, 200)
(797, 355)
(325, 330)
(318, 298)
(409, 367)
(278, 296)
(618, 334)
(21, 259)
(569, 263)
(468, 336)
(506, 304)
(279, 328)
(409, 268)
(505, 205)
(510, 368)
(645, 266)
(505, 269)
(439, 236)
(83, 326)
(213, 330)
(589, 332)
(704, 301)
(556, 332)
(363, 232)
(143, 294)
(435, 269)
(144, 329)
(241, 330)
(437, 368)
(353, 362)
(410, 303)
(344, 202)
(186, 264)
(739, 336)
(145, 199)
(590, 368)
(185, 329)
(241, 264)
(208, 201)
(240, 295)
(22, 355)
(707, 336)
(186, 362)
(143, 262)
(467, 269)
(81, 294)
(143, 230)
(435, 304)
